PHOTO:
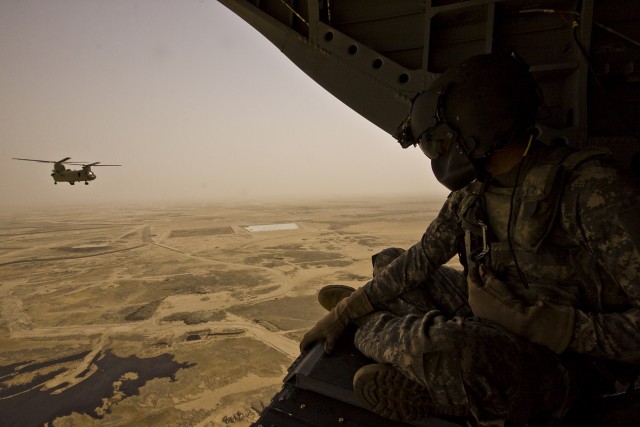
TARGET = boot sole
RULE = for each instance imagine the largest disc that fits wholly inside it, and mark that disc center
(330, 295)
(388, 393)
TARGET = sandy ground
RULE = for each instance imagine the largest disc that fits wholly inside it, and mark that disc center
(173, 315)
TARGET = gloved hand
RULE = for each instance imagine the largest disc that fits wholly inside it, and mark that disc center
(545, 324)
(331, 326)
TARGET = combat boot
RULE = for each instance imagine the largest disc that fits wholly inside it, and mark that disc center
(390, 394)
(331, 295)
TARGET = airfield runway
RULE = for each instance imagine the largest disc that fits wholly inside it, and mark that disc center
(177, 314)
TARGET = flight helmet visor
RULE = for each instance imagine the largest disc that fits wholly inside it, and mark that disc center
(427, 122)
(439, 141)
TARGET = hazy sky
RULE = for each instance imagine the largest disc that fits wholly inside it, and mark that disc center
(194, 103)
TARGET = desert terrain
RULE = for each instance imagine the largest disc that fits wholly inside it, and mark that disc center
(177, 315)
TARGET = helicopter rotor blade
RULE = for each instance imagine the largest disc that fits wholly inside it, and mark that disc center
(34, 160)
(88, 164)
(83, 164)
(45, 161)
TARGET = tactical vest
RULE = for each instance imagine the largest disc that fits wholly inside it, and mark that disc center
(539, 261)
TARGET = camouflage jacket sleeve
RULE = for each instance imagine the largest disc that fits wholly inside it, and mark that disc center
(439, 243)
(601, 211)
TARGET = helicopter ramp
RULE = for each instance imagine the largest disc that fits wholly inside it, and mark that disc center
(318, 392)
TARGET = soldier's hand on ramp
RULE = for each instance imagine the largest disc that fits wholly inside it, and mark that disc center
(331, 326)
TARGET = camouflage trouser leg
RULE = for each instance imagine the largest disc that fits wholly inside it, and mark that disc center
(448, 292)
(470, 367)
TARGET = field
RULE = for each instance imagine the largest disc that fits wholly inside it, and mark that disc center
(173, 314)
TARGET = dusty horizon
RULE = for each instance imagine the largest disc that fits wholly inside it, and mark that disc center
(85, 205)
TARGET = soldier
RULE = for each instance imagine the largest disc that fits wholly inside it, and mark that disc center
(547, 310)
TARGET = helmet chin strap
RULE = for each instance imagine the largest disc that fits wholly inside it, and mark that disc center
(523, 278)
(529, 144)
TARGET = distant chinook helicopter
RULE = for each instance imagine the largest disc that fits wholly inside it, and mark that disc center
(62, 174)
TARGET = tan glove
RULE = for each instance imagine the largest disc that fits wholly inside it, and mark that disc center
(331, 326)
(545, 324)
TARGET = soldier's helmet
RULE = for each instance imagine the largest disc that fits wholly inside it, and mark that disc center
(471, 110)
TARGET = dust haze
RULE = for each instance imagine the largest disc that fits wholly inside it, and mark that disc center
(174, 314)
(193, 102)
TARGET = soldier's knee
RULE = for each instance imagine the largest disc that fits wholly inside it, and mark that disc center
(384, 258)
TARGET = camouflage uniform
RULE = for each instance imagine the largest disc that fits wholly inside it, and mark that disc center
(576, 239)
